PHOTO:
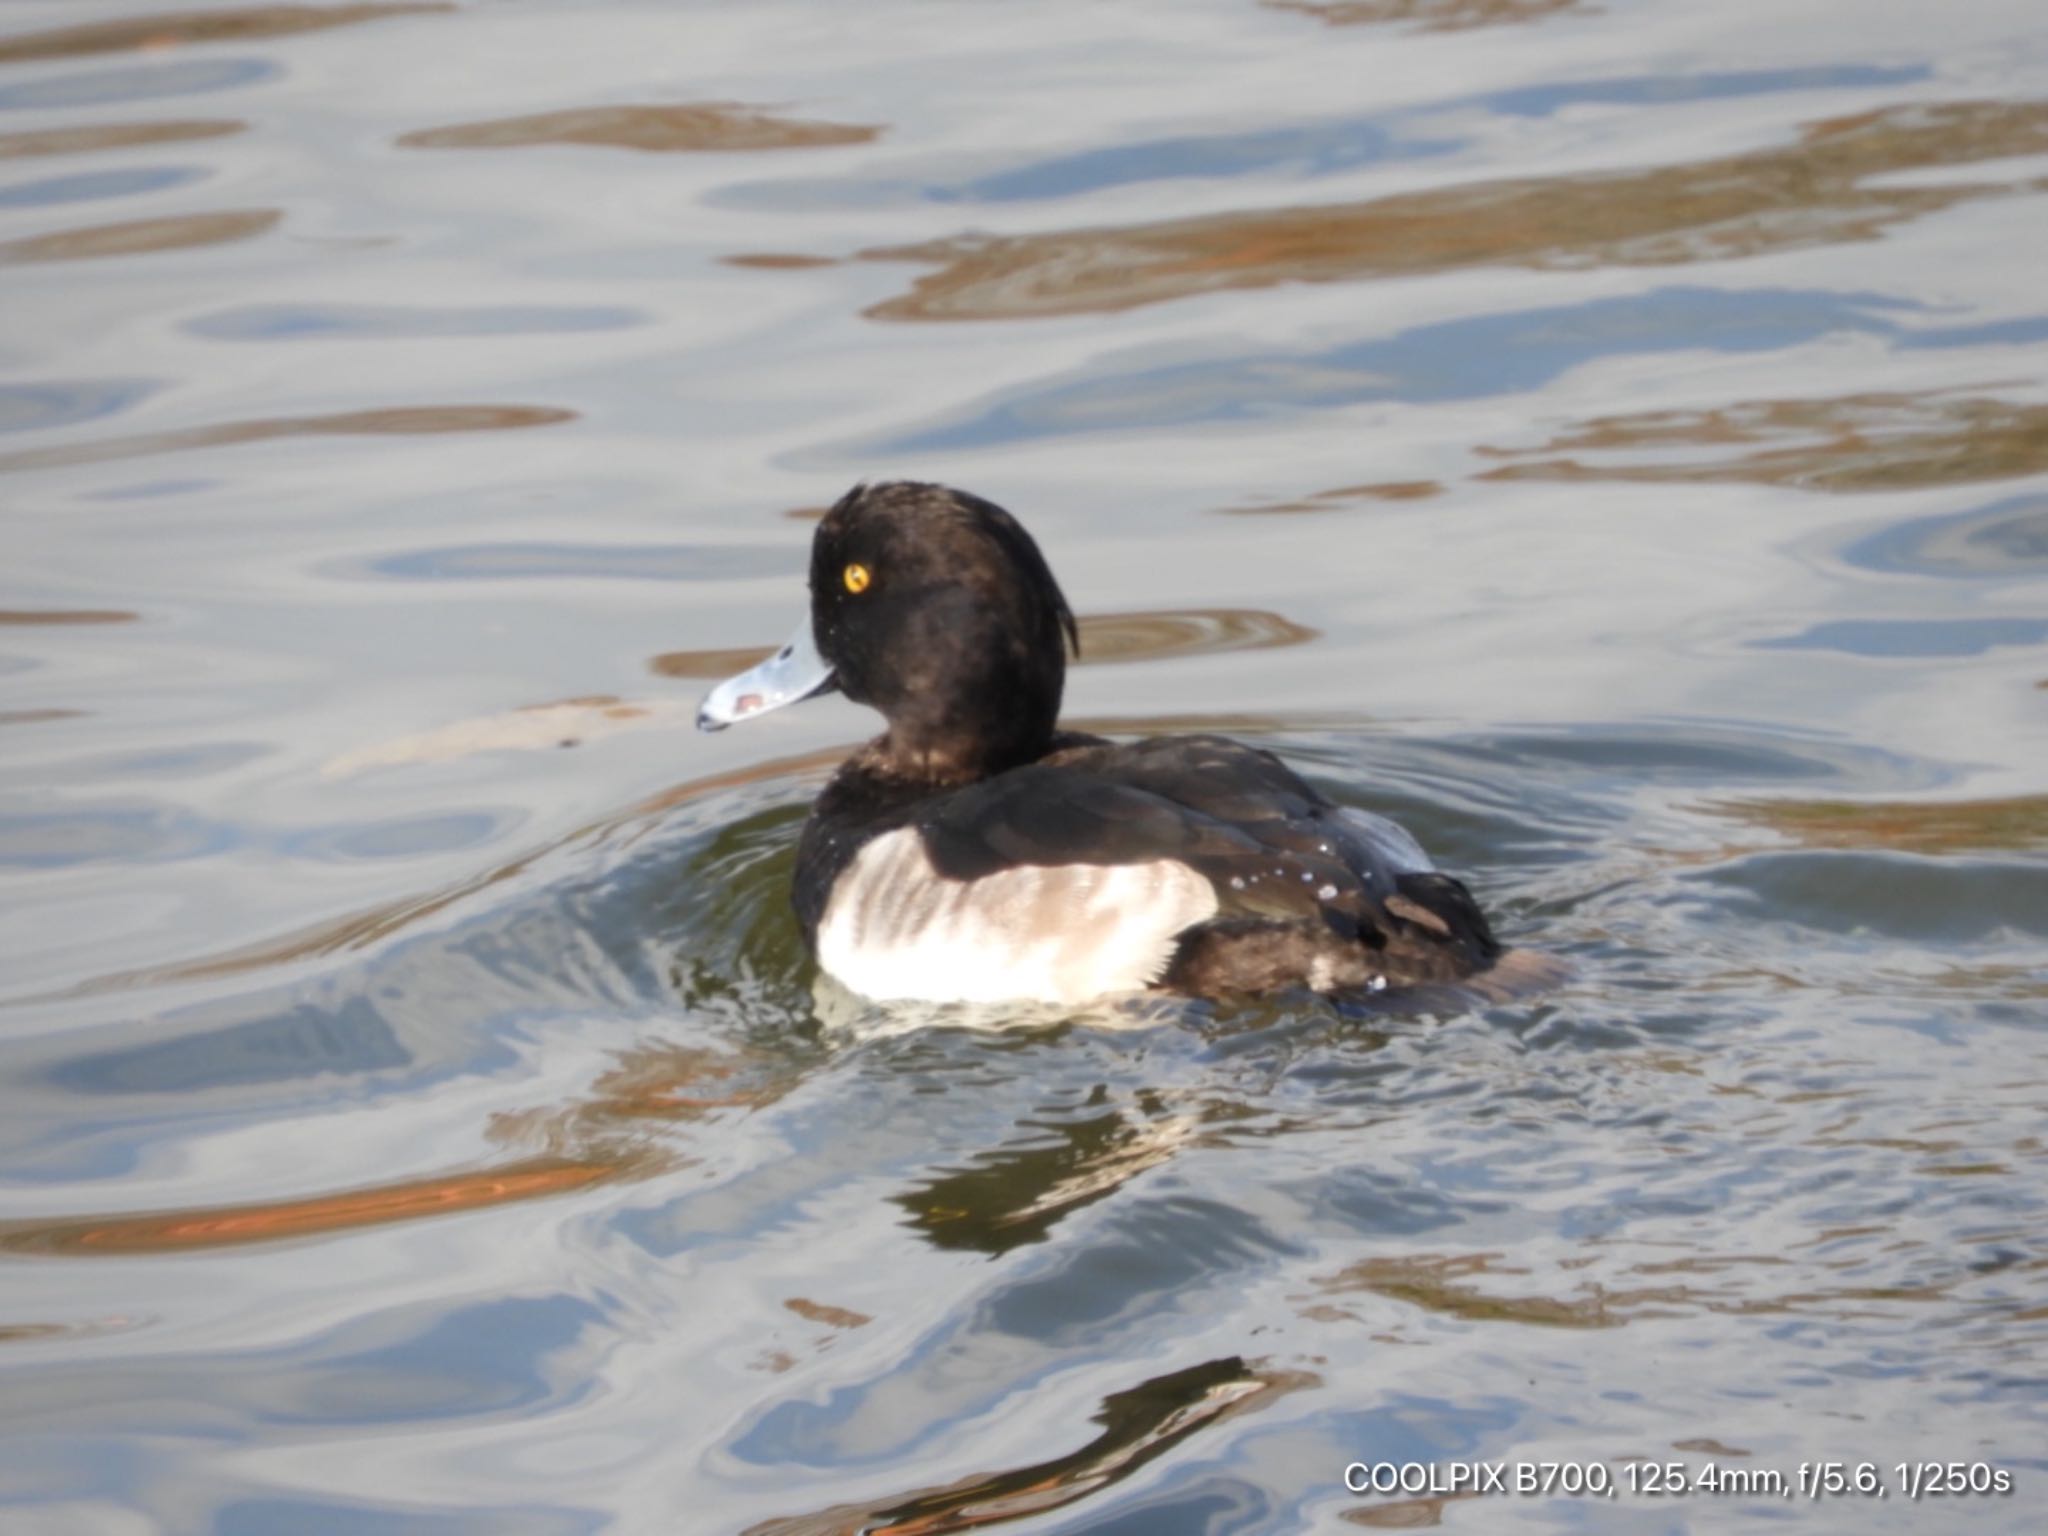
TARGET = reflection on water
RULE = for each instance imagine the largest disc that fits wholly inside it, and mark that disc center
(1345, 496)
(1430, 15)
(516, 562)
(1440, 1283)
(178, 1231)
(1109, 638)
(52, 403)
(135, 237)
(1321, 148)
(171, 29)
(1818, 191)
(613, 1135)
(711, 665)
(1459, 1285)
(702, 126)
(1910, 637)
(1013, 1195)
(391, 421)
(1212, 1160)
(568, 723)
(2008, 538)
(417, 1108)
(136, 82)
(91, 137)
(1909, 826)
(1475, 357)
(779, 261)
(66, 616)
(1139, 1424)
(90, 186)
(379, 322)
(1872, 442)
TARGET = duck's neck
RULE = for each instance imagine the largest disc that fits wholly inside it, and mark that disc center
(941, 755)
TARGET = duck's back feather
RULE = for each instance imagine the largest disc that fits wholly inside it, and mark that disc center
(1193, 862)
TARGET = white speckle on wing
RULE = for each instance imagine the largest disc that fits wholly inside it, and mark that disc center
(1326, 892)
(895, 928)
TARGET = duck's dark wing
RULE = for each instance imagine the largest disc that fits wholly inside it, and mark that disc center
(1306, 892)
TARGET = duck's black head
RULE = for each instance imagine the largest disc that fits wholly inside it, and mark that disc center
(936, 608)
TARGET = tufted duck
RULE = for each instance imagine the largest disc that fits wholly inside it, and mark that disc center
(976, 852)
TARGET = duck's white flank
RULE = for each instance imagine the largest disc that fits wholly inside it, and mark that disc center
(895, 928)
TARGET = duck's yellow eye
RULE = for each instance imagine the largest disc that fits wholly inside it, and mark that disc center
(856, 577)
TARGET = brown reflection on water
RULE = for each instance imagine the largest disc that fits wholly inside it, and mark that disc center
(226, 1226)
(779, 261)
(393, 421)
(1418, 1514)
(709, 666)
(825, 1315)
(66, 616)
(1239, 722)
(170, 29)
(616, 1134)
(38, 716)
(1110, 638)
(1449, 1285)
(2017, 824)
(618, 1125)
(712, 125)
(89, 137)
(24, 1333)
(1139, 1425)
(1428, 15)
(1873, 442)
(1107, 639)
(835, 1320)
(141, 236)
(2012, 983)
(1405, 1514)
(1813, 192)
(1439, 1283)
(1343, 497)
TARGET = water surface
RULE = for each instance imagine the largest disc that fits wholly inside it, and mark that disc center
(1611, 439)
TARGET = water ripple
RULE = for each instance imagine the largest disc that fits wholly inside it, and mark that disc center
(185, 28)
(140, 82)
(89, 186)
(362, 322)
(46, 403)
(1817, 191)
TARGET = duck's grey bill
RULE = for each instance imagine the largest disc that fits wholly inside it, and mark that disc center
(794, 673)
